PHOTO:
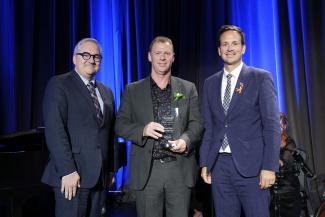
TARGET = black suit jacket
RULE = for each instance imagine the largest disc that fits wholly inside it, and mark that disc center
(136, 111)
(74, 138)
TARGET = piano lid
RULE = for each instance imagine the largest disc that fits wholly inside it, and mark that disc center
(23, 140)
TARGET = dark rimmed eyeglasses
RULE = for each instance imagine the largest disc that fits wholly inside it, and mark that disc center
(87, 56)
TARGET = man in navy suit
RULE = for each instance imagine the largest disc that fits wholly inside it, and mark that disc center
(240, 149)
(79, 116)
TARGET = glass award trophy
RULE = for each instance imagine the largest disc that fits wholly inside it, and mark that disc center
(169, 123)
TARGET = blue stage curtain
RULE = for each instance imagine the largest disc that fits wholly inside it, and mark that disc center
(106, 26)
(259, 20)
(124, 37)
(37, 40)
(7, 67)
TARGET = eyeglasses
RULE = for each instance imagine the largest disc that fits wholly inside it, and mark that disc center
(87, 56)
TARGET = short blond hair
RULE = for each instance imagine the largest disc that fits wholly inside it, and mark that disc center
(161, 39)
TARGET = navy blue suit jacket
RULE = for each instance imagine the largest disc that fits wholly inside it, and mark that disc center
(252, 123)
(74, 138)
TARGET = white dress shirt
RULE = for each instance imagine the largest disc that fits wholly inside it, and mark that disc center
(235, 74)
(100, 100)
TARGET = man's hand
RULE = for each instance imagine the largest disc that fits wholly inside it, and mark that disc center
(111, 179)
(69, 185)
(153, 130)
(267, 179)
(206, 176)
(178, 145)
(197, 213)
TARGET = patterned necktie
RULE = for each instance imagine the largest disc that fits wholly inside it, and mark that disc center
(91, 87)
(225, 105)
(226, 98)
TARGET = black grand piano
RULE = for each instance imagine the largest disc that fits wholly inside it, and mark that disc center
(23, 156)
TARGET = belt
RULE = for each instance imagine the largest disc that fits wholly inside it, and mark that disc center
(166, 159)
(224, 153)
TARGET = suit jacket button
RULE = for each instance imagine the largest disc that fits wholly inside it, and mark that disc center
(221, 140)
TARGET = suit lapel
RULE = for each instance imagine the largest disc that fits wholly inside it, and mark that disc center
(146, 100)
(218, 99)
(174, 89)
(179, 107)
(83, 90)
(240, 87)
(177, 87)
(106, 101)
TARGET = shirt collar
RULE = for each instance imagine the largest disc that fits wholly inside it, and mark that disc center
(85, 80)
(154, 84)
(235, 73)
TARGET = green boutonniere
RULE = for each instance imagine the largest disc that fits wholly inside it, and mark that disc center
(178, 96)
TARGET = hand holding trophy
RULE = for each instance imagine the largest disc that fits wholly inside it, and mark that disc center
(171, 131)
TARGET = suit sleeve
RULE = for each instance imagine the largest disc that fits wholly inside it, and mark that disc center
(112, 155)
(55, 114)
(270, 123)
(125, 126)
(207, 120)
(193, 133)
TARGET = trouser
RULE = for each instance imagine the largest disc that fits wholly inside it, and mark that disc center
(165, 188)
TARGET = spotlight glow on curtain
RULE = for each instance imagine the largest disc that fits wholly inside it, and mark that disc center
(259, 20)
(118, 26)
(106, 26)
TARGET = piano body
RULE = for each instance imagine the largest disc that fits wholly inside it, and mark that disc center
(23, 156)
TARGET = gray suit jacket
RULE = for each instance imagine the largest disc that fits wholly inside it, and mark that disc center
(136, 111)
(74, 138)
